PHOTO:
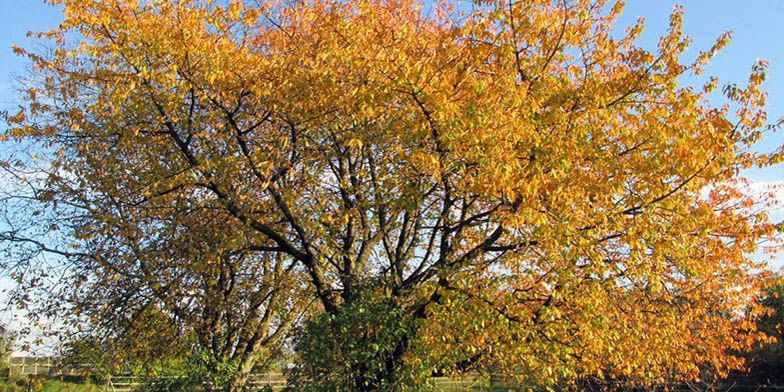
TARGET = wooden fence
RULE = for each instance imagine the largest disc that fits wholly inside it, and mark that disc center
(276, 381)
(40, 366)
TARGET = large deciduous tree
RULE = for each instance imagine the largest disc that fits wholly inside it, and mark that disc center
(519, 175)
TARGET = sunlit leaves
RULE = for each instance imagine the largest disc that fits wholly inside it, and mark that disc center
(519, 175)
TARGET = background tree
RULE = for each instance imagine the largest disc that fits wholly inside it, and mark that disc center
(514, 175)
(7, 342)
(134, 350)
(764, 361)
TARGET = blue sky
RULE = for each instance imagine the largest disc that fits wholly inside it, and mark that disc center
(17, 17)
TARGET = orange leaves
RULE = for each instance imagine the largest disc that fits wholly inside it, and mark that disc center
(548, 181)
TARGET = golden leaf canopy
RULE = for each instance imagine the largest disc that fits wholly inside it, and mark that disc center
(517, 173)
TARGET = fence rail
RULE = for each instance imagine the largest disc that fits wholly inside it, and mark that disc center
(43, 366)
(258, 381)
(277, 382)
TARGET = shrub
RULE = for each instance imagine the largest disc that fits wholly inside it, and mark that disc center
(362, 346)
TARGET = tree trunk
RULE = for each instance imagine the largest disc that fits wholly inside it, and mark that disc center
(240, 378)
(237, 383)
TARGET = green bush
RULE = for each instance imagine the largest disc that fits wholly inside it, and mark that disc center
(360, 347)
(198, 372)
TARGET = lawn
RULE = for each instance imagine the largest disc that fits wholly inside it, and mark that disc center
(41, 385)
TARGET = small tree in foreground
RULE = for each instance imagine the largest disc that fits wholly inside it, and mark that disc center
(530, 193)
(356, 349)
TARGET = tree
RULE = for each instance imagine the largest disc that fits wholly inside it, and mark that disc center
(6, 348)
(764, 360)
(514, 175)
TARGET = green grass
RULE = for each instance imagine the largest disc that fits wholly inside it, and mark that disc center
(42, 385)
(62, 386)
(470, 384)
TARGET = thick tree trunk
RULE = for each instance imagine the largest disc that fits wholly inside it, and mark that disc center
(386, 377)
(237, 384)
(240, 378)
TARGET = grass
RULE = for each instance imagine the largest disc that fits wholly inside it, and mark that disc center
(62, 386)
(43, 385)
(469, 384)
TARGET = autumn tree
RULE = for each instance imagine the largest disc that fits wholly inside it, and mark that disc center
(518, 175)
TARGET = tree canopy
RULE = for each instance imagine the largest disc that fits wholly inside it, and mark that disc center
(518, 174)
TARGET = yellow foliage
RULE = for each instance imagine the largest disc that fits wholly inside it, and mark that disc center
(525, 182)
